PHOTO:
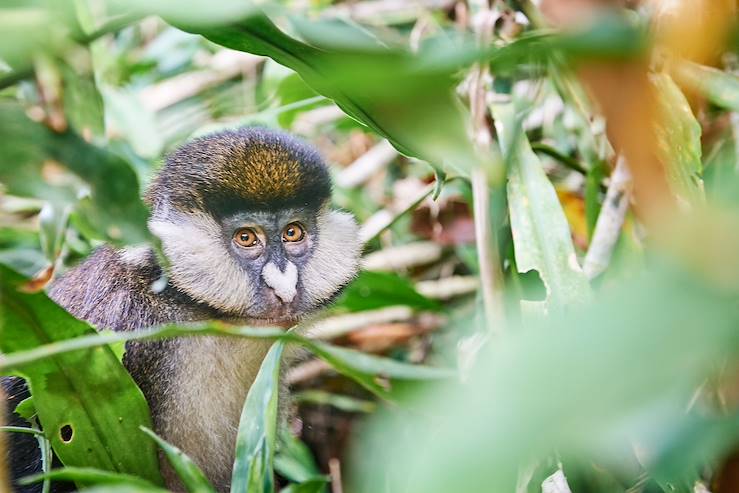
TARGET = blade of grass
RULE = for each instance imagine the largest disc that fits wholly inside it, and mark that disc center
(188, 472)
(255, 443)
(87, 476)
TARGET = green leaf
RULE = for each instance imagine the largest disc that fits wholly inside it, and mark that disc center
(721, 88)
(541, 235)
(113, 207)
(351, 360)
(678, 140)
(255, 443)
(187, 471)
(123, 489)
(89, 406)
(373, 290)
(695, 444)
(421, 115)
(87, 476)
(310, 486)
(83, 104)
(579, 383)
(25, 408)
(53, 221)
(293, 459)
(343, 402)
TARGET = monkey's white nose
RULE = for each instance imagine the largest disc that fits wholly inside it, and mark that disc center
(283, 283)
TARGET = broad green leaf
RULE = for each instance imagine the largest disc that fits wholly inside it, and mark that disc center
(698, 441)
(593, 183)
(87, 476)
(721, 88)
(420, 116)
(88, 405)
(255, 443)
(187, 471)
(541, 234)
(625, 367)
(30, 166)
(373, 290)
(678, 140)
(83, 104)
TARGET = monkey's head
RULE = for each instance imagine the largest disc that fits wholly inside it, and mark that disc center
(245, 222)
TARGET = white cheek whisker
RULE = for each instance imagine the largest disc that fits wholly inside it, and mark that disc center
(226, 287)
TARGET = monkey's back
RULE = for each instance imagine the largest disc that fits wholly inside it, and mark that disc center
(116, 289)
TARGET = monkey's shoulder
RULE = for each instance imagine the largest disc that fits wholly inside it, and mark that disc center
(116, 289)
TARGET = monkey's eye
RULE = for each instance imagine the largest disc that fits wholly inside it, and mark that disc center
(245, 237)
(293, 232)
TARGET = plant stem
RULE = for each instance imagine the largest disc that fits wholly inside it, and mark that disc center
(21, 429)
(491, 277)
(569, 162)
(610, 221)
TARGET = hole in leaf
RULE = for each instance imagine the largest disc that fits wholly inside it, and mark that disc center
(532, 286)
(66, 433)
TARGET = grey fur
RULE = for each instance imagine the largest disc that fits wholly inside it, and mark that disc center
(196, 386)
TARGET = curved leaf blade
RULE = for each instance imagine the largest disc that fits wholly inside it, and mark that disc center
(541, 235)
(88, 476)
(189, 473)
(255, 443)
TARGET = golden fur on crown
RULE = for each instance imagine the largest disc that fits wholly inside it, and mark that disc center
(245, 168)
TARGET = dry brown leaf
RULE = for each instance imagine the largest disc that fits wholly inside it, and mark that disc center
(574, 209)
(39, 282)
(447, 223)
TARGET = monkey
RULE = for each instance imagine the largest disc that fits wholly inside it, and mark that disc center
(246, 226)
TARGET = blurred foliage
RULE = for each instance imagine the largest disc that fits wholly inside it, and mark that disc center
(624, 382)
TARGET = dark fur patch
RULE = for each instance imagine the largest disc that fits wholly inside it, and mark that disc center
(24, 457)
(248, 168)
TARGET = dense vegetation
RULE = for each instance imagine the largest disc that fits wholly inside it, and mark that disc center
(549, 196)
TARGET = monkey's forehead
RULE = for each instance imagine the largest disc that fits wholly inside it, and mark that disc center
(249, 167)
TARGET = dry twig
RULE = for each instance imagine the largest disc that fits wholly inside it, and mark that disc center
(398, 258)
(334, 469)
(225, 65)
(369, 163)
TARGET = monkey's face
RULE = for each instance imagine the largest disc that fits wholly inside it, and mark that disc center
(244, 221)
(270, 267)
